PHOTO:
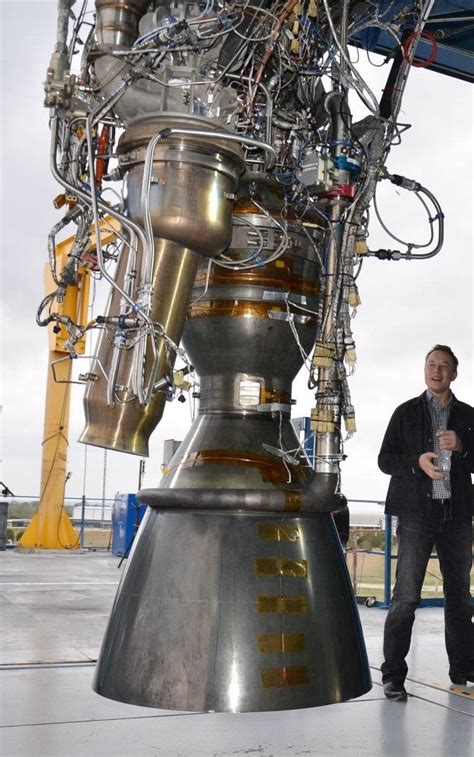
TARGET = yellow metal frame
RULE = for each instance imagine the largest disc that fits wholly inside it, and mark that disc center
(50, 527)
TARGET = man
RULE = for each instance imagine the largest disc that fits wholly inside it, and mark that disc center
(434, 509)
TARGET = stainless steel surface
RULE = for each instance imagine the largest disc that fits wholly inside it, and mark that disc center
(234, 613)
(222, 608)
(240, 439)
(191, 214)
(318, 496)
(233, 327)
(117, 21)
(192, 184)
(225, 451)
(126, 426)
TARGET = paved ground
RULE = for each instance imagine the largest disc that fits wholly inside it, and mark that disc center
(54, 610)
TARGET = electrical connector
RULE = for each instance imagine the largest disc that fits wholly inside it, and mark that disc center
(350, 355)
(59, 201)
(361, 247)
(354, 297)
(71, 200)
(180, 382)
(402, 181)
(323, 355)
(390, 254)
(350, 423)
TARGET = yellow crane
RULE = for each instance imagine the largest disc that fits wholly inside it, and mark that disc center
(50, 527)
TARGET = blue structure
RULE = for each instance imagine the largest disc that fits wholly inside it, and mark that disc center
(447, 46)
(127, 515)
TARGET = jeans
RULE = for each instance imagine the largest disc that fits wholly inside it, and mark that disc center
(417, 535)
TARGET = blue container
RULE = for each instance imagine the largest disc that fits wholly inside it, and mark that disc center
(127, 514)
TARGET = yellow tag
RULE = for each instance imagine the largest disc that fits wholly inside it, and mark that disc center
(350, 424)
(354, 299)
(361, 247)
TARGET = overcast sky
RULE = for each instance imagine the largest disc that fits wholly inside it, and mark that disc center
(406, 306)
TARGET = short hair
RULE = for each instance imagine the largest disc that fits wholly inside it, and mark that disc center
(448, 350)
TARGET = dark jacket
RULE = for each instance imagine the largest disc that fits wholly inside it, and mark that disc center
(408, 435)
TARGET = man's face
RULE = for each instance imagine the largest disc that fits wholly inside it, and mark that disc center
(439, 372)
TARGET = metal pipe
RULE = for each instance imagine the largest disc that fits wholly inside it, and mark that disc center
(327, 443)
(87, 198)
(268, 107)
(318, 497)
(83, 517)
(148, 256)
(96, 203)
(229, 137)
(64, 10)
(373, 107)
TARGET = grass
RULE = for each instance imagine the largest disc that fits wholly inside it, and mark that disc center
(369, 575)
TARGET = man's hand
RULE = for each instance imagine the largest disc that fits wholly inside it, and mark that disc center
(425, 461)
(449, 440)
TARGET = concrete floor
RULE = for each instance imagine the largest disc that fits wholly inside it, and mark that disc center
(54, 610)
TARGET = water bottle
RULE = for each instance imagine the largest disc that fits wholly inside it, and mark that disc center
(444, 460)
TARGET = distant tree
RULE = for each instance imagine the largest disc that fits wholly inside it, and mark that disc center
(22, 509)
(27, 509)
(371, 540)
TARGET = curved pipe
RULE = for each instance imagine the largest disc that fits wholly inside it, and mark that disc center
(268, 106)
(88, 199)
(271, 152)
(318, 497)
(413, 186)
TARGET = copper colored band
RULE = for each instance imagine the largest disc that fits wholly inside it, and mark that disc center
(245, 308)
(273, 471)
(277, 275)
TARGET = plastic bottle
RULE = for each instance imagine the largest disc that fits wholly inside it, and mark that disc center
(444, 460)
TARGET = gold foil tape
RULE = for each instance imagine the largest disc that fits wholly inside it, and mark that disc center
(243, 308)
(292, 502)
(282, 642)
(282, 605)
(273, 678)
(278, 532)
(270, 469)
(278, 275)
(278, 566)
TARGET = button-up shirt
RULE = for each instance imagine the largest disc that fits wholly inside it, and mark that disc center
(439, 422)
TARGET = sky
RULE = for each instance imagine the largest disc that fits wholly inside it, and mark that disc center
(406, 306)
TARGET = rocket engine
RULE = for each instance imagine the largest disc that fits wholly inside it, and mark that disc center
(225, 131)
